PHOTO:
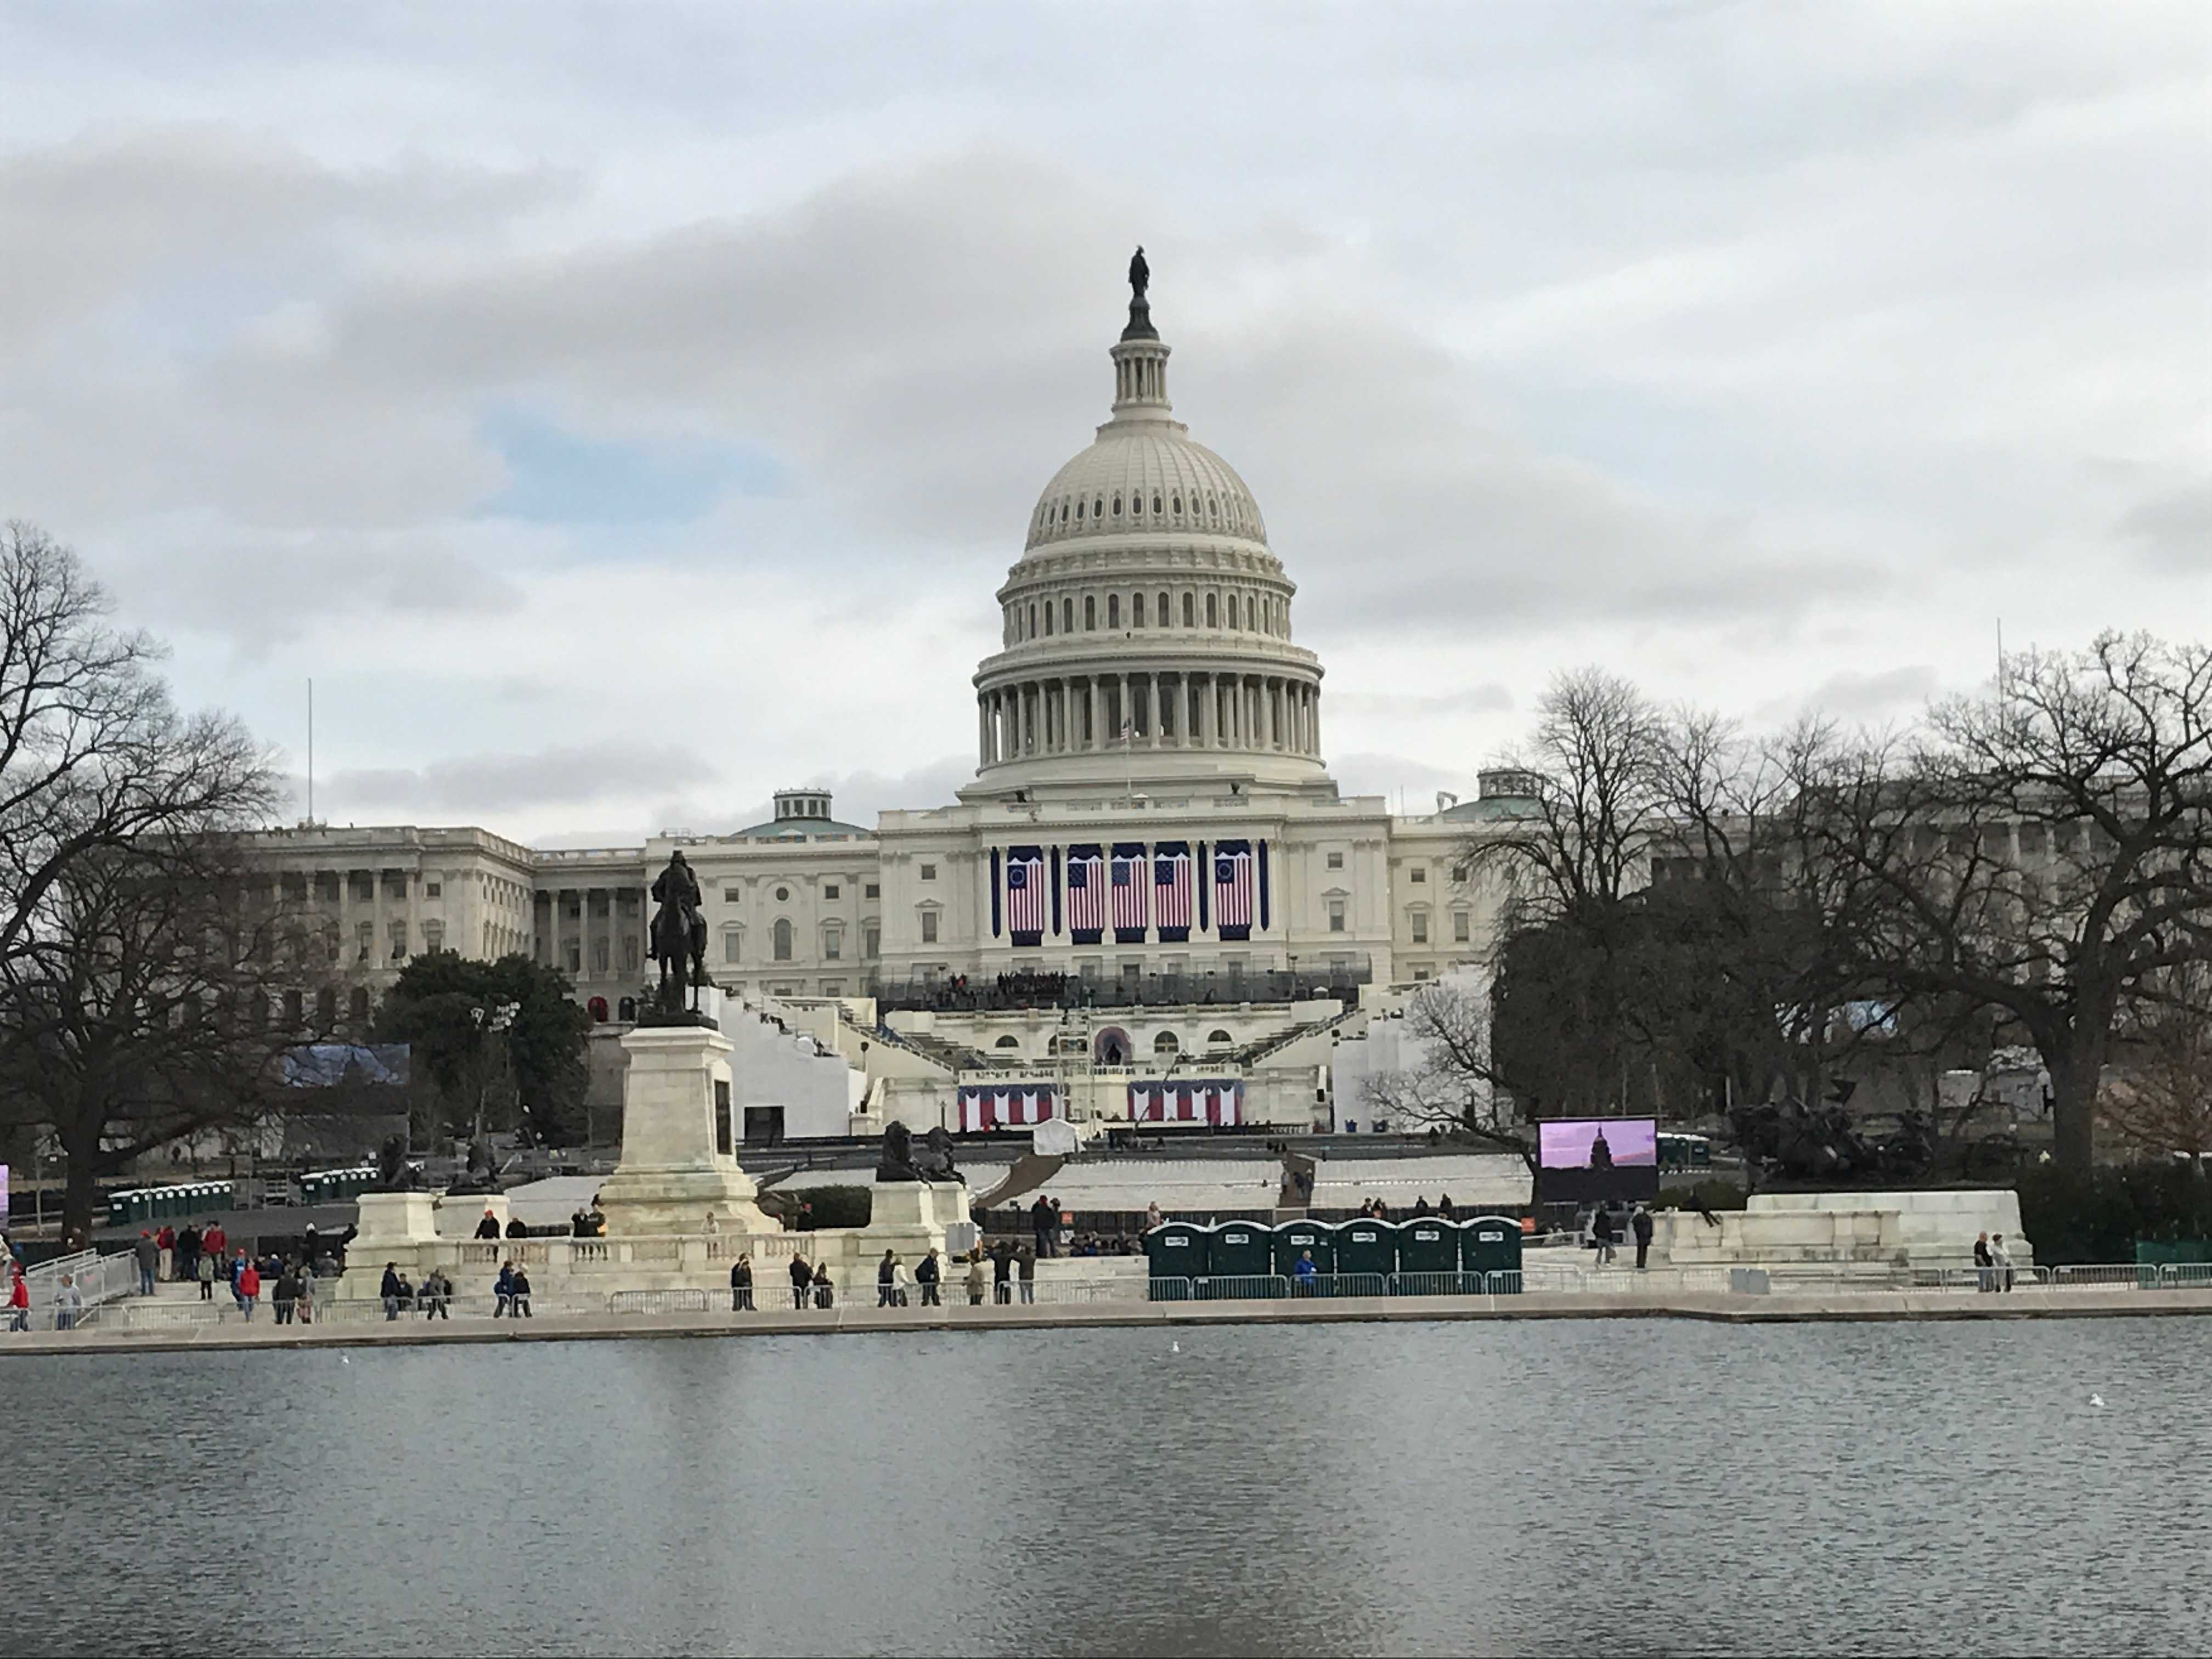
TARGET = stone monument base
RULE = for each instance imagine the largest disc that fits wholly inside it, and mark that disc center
(911, 1217)
(672, 1176)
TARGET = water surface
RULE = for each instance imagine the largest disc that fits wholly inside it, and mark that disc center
(1608, 1487)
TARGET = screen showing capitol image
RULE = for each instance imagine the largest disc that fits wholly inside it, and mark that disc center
(1582, 1159)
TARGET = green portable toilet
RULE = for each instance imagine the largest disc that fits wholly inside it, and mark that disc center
(1428, 1259)
(1366, 1256)
(1241, 1260)
(119, 1208)
(1177, 1251)
(1295, 1239)
(1490, 1245)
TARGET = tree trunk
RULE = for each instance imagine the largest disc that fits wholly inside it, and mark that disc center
(80, 1191)
(2075, 1072)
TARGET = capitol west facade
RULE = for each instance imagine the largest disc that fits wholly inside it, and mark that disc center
(1151, 813)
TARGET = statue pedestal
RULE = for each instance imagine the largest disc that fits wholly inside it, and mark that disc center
(394, 1220)
(459, 1214)
(911, 1217)
(672, 1175)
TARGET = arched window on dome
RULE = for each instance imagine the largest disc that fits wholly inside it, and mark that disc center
(1163, 611)
(1233, 623)
(1113, 611)
(1212, 507)
(1032, 621)
(1177, 505)
(1189, 609)
(1063, 511)
(1068, 615)
(1047, 619)
(1090, 613)
(1251, 612)
(1099, 507)
(1079, 512)
(1212, 611)
(1117, 506)
(1156, 504)
(1137, 612)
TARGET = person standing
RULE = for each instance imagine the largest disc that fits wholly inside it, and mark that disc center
(1002, 1273)
(976, 1277)
(1602, 1235)
(215, 1241)
(902, 1281)
(148, 1254)
(489, 1227)
(437, 1291)
(389, 1290)
(1025, 1271)
(2000, 1259)
(741, 1284)
(166, 1241)
(188, 1253)
(1153, 1216)
(886, 1279)
(825, 1293)
(19, 1298)
(1984, 1279)
(801, 1277)
(249, 1288)
(283, 1295)
(303, 1306)
(928, 1275)
(502, 1291)
(203, 1270)
(1640, 1225)
(69, 1303)
(521, 1298)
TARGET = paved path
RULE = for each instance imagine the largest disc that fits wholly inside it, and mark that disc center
(2090, 1304)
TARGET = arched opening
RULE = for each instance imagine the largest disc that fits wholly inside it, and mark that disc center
(1166, 1044)
(598, 1009)
(357, 1005)
(1007, 1042)
(626, 1010)
(782, 940)
(1112, 1047)
(1219, 1039)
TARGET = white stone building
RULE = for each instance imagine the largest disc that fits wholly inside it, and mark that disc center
(1151, 817)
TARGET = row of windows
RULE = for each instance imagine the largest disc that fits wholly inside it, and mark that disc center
(734, 894)
(1250, 612)
(782, 936)
(1215, 510)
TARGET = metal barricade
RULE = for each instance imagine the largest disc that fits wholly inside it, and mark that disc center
(1243, 1287)
(2106, 1275)
(1343, 1284)
(682, 1299)
(1453, 1283)
(1502, 1281)
(1169, 1289)
(2184, 1275)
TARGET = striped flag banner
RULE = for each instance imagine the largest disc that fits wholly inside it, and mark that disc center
(1172, 885)
(1086, 894)
(1006, 1105)
(1131, 878)
(1026, 900)
(1233, 883)
(1188, 1100)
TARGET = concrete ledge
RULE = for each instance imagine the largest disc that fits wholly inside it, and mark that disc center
(2120, 1302)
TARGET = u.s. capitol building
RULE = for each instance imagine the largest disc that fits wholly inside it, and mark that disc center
(1151, 817)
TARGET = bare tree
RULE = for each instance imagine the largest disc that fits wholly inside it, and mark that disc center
(2044, 852)
(1455, 1085)
(123, 1004)
(2161, 1101)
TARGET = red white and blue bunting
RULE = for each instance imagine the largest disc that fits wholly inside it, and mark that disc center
(1191, 1100)
(1006, 1105)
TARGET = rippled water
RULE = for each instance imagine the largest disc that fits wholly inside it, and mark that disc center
(1605, 1487)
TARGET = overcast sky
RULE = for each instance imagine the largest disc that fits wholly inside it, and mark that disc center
(587, 397)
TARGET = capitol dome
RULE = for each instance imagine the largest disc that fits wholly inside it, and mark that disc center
(1147, 623)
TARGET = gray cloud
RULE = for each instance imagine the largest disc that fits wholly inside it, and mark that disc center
(1396, 778)
(468, 785)
(1859, 697)
(1492, 699)
(2174, 532)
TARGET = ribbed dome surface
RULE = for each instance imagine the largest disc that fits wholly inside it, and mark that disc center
(1144, 477)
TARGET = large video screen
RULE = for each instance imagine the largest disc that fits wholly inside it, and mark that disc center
(1581, 1160)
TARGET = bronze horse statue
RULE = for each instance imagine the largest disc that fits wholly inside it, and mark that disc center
(678, 934)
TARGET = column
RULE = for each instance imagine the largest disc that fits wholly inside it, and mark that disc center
(1204, 684)
(982, 729)
(1152, 709)
(1094, 698)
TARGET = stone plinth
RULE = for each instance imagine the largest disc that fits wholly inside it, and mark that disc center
(672, 1175)
(402, 1220)
(910, 1217)
(459, 1214)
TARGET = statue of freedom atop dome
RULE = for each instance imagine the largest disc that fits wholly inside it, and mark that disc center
(1140, 310)
(1140, 274)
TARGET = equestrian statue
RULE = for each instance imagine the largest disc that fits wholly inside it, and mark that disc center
(679, 938)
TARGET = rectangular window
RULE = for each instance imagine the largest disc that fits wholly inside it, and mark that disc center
(1420, 927)
(364, 937)
(929, 873)
(631, 952)
(1336, 916)
(732, 894)
(831, 890)
(434, 890)
(434, 936)
(1420, 974)
(833, 946)
(928, 924)
(1336, 860)
(360, 887)
(871, 890)
(1417, 875)
(398, 941)
(601, 948)
(871, 942)
(574, 956)
(327, 886)
(732, 945)
(1459, 927)
(835, 987)
(395, 886)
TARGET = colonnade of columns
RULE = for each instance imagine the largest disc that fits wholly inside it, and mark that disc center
(1086, 714)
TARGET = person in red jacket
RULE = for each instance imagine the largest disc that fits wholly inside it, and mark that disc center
(19, 1299)
(214, 1242)
(249, 1288)
(167, 1240)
